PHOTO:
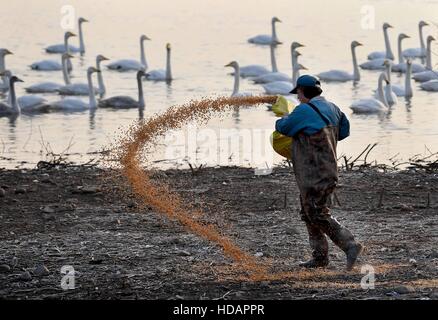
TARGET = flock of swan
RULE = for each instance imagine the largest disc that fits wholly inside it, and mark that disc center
(273, 81)
(68, 91)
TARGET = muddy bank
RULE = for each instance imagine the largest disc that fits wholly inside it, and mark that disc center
(84, 217)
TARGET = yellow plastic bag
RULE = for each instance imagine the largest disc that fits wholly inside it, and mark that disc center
(280, 143)
(282, 106)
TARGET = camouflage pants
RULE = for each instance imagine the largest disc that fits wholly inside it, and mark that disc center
(319, 222)
(316, 172)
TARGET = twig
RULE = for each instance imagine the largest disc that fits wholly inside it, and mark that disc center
(366, 155)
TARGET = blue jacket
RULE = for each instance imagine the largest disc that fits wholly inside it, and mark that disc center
(304, 118)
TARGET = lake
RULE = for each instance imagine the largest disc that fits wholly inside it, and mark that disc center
(205, 35)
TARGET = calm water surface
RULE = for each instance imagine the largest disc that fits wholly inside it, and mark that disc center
(205, 35)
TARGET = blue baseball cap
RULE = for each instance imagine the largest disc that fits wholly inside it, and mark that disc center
(306, 81)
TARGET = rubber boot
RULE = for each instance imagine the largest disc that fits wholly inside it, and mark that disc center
(318, 243)
(344, 239)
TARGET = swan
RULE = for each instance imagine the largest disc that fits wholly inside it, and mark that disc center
(4, 86)
(101, 85)
(401, 66)
(279, 76)
(256, 70)
(13, 109)
(125, 102)
(82, 89)
(390, 95)
(130, 64)
(236, 92)
(264, 39)
(61, 48)
(53, 65)
(417, 52)
(74, 104)
(340, 75)
(27, 103)
(49, 87)
(406, 90)
(162, 75)
(373, 105)
(431, 85)
(274, 75)
(383, 54)
(296, 67)
(429, 74)
(282, 87)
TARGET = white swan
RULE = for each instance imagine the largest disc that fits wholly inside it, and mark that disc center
(236, 92)
(49, 87)
(27, 103)
(256, 70)
(162, 75)
(101, 84)
(401, 65)
(61, 48)
(82, 89)
(265, 39)
(387, 54)
(8, 110)
(73, 104)
(53, 65)
(429, 74)
(280, 76)
(130, 64)
(281, 87)
(125, 102)
(417, 52)
(274, 75)
(340, 75)
(4, 86)
(373, 105)
(390, 95)
(406, 90)
(431, 85)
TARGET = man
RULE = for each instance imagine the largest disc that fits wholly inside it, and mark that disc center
(316, 125)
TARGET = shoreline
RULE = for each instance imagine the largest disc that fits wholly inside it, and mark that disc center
(85, 217)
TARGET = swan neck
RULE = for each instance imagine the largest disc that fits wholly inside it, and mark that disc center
(356, 72)
(389, 54)
(91, 95)
(388, 68)
(13, 98)
(382, 96)
(81, 40)
(65, 74)
(101, 84)
(295, 74)
(274, 32)
(408, 81)
(400, 51)
(143, 55)
(168, 66)
(236, 80)
(67, 50)
(140, 92)
(429, 55)
(422, 45)
(273, 60)
(294, 64)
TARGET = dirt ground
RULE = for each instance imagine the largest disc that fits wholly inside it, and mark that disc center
(79, 216)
